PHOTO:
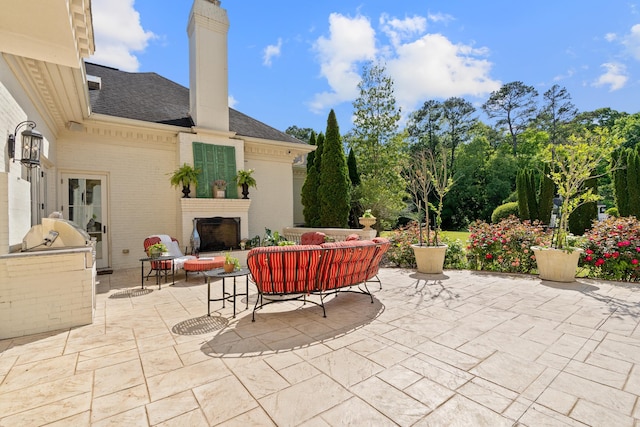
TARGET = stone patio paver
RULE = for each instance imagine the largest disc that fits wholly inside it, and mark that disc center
(461, 348)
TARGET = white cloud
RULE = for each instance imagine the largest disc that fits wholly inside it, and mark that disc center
(399, 30)
(232, 101)
(615, 76)
(118, 34)
(632, 41)
(440, 17)
(350, 40)
(422, 66)
(610, 37)
(433, 67)
(271, 51)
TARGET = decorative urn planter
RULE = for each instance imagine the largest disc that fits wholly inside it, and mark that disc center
(557, 265)
(430, 259)
(367, 222)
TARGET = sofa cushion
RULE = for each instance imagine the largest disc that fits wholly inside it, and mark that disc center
(352, 236)
(345, 263)
(312, 238)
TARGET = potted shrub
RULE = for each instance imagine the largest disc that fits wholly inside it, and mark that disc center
(231, 263)
(367, 219)
(156, 250)
(219, 188)
(571, 165)
(185, 175)
(245, 180)
(429, 172)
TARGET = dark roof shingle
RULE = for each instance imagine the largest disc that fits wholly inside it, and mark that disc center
(152, 98)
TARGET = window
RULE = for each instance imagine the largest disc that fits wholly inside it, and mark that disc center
(216, 162)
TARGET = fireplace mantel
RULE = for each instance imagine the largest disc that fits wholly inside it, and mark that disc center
(203, 208)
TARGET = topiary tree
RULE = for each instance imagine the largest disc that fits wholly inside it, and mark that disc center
(335, 188)
(534, 205)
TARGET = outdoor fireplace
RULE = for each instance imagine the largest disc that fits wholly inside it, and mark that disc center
(218, 233)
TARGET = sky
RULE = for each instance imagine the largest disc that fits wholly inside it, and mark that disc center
(292, 61)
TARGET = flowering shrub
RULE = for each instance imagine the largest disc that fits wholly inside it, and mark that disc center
(505, 246)
(612, 249)
(401, 254)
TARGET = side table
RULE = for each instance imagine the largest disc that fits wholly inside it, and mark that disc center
(219, 273)
(162, 260)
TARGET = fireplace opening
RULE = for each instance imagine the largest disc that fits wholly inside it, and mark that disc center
(218, 233)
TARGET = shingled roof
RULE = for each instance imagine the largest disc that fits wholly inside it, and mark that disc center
(152, 98)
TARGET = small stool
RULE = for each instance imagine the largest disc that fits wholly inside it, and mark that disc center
(202, 264)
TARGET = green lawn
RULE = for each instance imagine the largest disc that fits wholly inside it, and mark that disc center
(461, 235)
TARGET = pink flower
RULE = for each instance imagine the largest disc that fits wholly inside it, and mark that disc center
(589, 251)
(588, 258)
(616, 254)
(624, 243)
(634, 261)
(488, 256)
(599, 262)
(619, 227)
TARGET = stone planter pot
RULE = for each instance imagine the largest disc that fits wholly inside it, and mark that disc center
(557, 265)
(430, 259)
(367, 222)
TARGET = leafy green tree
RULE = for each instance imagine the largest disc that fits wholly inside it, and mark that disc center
(514, 106)
(600, 118)
(628, 129)
(557, 111)
(335, 188)
(378, 147)
(457, 121)
(547, 192)
(310, 188)
(303, 134)
(424, 126)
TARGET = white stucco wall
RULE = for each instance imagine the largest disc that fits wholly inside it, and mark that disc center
(15, 196)
(272, 200)
(140, 199)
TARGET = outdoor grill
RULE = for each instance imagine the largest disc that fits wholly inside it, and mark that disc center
(56, 233)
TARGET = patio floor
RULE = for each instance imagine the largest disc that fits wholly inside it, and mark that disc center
(461, 349)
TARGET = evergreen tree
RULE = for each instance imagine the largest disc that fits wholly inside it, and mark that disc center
(547, 192)
(354, 176)
(619, 162)
(521, 189)
(633, 183)
(378, 147)
(310, 187)
(334, 190)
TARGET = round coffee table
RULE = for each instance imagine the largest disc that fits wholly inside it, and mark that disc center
(220, 273)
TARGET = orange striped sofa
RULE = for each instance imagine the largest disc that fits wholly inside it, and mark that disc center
(294, 272)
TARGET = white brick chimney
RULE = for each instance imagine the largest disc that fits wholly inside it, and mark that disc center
(208, 70)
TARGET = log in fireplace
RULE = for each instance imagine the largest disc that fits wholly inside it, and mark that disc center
(218, 233)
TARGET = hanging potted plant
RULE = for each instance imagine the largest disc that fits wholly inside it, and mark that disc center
(245, 180)
(571, 165)
(185, 175)
(429, 172)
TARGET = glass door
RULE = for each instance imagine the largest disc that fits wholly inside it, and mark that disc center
(84, 203)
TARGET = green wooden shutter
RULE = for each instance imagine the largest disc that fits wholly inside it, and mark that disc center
(215, 162)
